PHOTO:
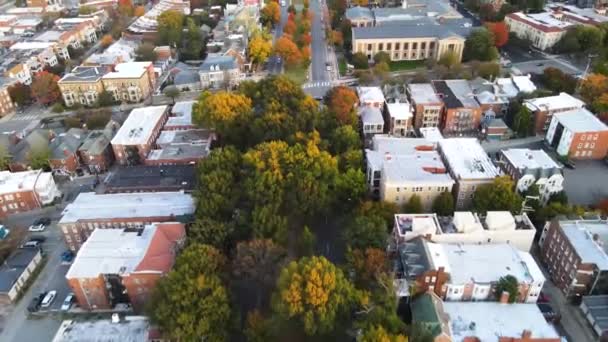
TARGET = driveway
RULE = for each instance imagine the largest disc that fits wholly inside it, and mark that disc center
(588, 183)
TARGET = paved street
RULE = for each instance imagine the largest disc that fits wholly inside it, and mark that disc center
(318, 46)
(588, 183)
(274, 64)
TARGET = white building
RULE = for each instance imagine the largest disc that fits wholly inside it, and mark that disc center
(138, 133)
(543, 29)
(578, 134)
(469, 165)
(371, 120)
(371, 97)
(475, 269)
(465, 227)
(219, 71)
(400, 118)
(26, 190)
(528, 167)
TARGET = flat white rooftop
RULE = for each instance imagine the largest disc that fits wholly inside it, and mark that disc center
(91, 206)
(525, 158)
(182, 112)
(431, 133)
(422, 168)
(132, 329)
(22, 181)
(370, 94)
(490, 320)
(484, 263)
(384, 144)
(549, 103)
(32, 45)
(400, 110)
(128, 70)
(371, 115)
(139, 125)
(422, 93)
(581, 236)
(467, 159)
(580, 121)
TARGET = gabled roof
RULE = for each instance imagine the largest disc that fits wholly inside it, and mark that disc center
(67, 142)
(218, 63)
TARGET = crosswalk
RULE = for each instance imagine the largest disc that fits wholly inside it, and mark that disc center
(317, 84)
(25, 117)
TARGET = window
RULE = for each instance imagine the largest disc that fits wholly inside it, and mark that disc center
(423, 45)
(397, 46)
(431, 45)
(380, 46)
(406, 46)
(414, 46)
(396, 198)
(369, 47)
(579, 145)
(397, 189)
(388, 46)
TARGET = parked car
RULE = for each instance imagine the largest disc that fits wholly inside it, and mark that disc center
(38, 238)
(67, 257)
(67, 302)
(35, 303)
(31, 244)
(40, 224)
(548, 312)
(48, 299)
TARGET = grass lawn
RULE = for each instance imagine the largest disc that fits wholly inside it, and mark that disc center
(406, 65)
(297, 75)
(342, 66)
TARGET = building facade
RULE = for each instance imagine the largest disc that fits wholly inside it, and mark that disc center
(543, 30)
(219, 71)
(15, 272)
(428, 107)
(462, 113)
(130, 82)
(543, 109)
(26, 190)
(399, 116)
(82, 85)
(578, 134)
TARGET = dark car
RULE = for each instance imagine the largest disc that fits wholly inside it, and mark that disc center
(38, 238)
(548, 312)
(35, 303)
(67, 257)
(569, 164)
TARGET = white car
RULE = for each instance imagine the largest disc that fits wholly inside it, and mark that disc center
(67, 302)
(37, 228)
(48, 299)
(283, 3)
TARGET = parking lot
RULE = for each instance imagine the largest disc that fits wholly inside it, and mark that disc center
(588, 183)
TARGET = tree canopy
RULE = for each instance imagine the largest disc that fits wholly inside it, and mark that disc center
(44, 87)
(170, 25)
(480, 46)
(499, 195)
(443, 205)
(509, 284)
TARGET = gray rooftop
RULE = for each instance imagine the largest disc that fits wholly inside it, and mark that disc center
(581, 121)
(597, 307)
(581, 236)
(418, 28)
(151, 178)
(187, 76)
(371, 115)
(217, 63)
(129, 329)
(13, 267)
(96, 142)
(422, 93)
(67, 142)
(359, 12)
(84, 74)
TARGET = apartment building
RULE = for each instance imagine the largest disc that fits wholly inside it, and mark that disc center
(428, 107)
(462, 113)
(424, 38)
(26, 190)
(465, 227)
(130, 82)
(6, 103)
(219, 71)
(533, 167)
(578, 134)
(135, 139)
(82, 85)
(122, 265)
(90, 211)
(370, 97)
(399, 116)
(575, 255)
(543, 29)
(543, 109)
(469, 165)
(481, 321)
(121, 51)
(467, 272)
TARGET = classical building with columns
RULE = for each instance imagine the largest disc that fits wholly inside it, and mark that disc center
(426, 38)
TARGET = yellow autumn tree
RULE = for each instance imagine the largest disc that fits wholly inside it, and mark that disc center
(260, 49)
(314, 292)
(378, 334)
(220, 109)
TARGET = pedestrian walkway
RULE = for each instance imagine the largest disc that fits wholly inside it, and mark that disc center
(317, 84)
(25, 117)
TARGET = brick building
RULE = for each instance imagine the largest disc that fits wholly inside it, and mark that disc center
(24, 191)
(428, 107)
(575, 255)
(467, 272)
(151, 178)
(129, 210)
(137, 136)
(122, 266)
(462, 113)
(96, 151)
(64, 158)
(578, 134)
(543, 108)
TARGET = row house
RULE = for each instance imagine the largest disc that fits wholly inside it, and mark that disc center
(467, 272)
(7, 105)
(96, 150)
(130, 82)
(26, 190)
(64, 158)
(90, 211)
(219, 71)
(428, 107)
(462, 113)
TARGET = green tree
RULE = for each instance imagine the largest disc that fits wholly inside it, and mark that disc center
(145, 52)
(211, 232)
(497, 196)
(306, 242)
(488, 70)
(172, 92)
(443, 205)
(226, 112)
(85, 10)
(558, 81)
(194, 40)
(449, 59)
(105, 99)
(57, 108)
(480, 46)
(366, 232)
(413, 205)
(345, 138)
(378, 334)
(314, 293)
(258, 328)
(5, 158)
(39, 159)
(385, 210)
(360, 61)
(509, 284)
(382, 57)
(170, 25)
(522, 123)
(20, 93)
(191, 302)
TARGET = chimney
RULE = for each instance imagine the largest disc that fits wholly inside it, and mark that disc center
(387, 156)
(504, 297)
(526, 335)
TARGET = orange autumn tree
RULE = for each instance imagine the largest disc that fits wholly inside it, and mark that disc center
(288, 50)
(290, 27)
(139, 11)
(341, 101)
(106, 40)
(44, 88)
(501, 32)
(271, 13)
